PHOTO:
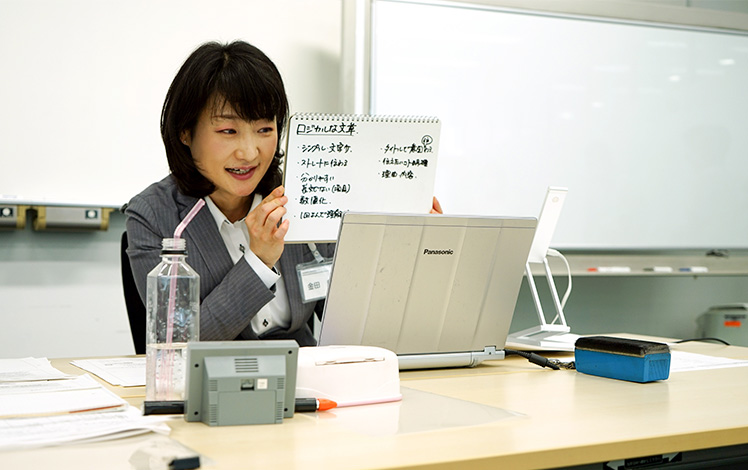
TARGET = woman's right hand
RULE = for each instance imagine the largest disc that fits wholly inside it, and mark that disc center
(266, 232)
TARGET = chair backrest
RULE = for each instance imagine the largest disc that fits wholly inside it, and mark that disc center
(135, 308)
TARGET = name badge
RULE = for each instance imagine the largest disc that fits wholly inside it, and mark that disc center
(314, 280)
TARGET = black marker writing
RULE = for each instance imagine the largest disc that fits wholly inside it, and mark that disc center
(307, 178)
(406, 163)
(408, 175)
(320, 163)
(331, 214)
(342, 128)
(335, 188)
(339, 147)
(409, 148)
(312, 200)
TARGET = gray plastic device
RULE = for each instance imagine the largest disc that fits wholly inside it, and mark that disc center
(240, 382)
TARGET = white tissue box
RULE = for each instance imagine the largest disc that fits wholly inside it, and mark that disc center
(348, 375)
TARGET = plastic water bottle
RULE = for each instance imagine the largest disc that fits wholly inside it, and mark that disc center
(173, 319)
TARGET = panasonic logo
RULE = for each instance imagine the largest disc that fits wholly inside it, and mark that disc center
(426, 251)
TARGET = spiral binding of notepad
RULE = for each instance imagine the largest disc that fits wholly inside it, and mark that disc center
(365, 117)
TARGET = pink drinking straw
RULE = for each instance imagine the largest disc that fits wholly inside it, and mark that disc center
(191, 215)
(169, 359)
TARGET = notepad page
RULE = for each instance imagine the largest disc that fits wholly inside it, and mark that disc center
(337, 163)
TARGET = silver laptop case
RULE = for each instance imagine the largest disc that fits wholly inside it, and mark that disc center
(437, 290)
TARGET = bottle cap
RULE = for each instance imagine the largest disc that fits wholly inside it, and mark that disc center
(173, 246)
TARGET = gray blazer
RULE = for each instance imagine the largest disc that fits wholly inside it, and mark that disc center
(231, 294)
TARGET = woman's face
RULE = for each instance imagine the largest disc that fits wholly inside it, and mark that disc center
(232, 153)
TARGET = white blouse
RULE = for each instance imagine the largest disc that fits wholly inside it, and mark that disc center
(277, 312)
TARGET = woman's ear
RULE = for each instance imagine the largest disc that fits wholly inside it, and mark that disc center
(185, 137)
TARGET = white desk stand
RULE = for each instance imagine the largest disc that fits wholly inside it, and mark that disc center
(554, 335)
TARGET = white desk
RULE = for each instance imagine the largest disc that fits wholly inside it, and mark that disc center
(567, 418)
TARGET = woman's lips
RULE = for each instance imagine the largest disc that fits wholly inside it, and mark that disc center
(241, 173)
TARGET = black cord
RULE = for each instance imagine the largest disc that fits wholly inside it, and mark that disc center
(704, 339)
(534, 358)
(718, 253)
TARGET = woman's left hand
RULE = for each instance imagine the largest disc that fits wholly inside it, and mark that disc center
(436, 208)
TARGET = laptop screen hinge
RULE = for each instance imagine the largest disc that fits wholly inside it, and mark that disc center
(489, 353)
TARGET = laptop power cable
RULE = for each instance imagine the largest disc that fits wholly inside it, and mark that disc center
(554, 364)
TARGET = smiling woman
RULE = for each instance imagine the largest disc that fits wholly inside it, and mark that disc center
(221, 126)
(235, 82)
(232, 153)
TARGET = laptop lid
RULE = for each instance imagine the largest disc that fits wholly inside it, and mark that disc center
(437, 290)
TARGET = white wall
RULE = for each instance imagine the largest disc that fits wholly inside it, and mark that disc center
(61, 293)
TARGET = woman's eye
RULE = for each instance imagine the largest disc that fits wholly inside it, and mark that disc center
(265, 130)
(227, 131)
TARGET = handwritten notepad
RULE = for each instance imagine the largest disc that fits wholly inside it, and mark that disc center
(339, 163)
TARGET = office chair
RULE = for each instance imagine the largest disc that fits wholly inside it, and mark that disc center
(135, 308)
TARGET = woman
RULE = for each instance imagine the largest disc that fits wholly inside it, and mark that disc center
(221, 125)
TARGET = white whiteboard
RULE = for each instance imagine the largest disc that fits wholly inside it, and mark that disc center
(83, 83)
(647, 126)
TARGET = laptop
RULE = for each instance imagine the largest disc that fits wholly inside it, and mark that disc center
(437, 290)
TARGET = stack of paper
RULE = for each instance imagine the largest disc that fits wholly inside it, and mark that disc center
(122, 371)
(30, 368)
(21, 433)
(40, 405)
(55, 397)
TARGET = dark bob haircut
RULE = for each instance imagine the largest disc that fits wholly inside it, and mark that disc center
(238, 74)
